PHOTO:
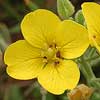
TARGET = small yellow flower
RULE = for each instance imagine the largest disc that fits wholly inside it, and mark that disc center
(48, 41)
(91, 12)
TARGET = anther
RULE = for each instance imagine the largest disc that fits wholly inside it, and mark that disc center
(45, 57)
(94, 36)
(50, 46)
(56, 63)
(55, 45)
(58, 54)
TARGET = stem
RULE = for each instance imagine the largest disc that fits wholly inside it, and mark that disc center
(29, 90)
(86, 69)
(93, 58)
(3, 44)
(43, 92)
(84, 72)
(97, 79)
(92, 50)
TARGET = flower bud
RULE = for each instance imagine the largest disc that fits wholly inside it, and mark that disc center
(65, 8)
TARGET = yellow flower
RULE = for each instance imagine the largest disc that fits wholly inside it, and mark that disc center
(48, 41)
(91, 12)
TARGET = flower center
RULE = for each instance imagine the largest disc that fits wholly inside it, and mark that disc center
(52, 54)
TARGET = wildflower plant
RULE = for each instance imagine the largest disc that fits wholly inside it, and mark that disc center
(55, 51)
(47, 51)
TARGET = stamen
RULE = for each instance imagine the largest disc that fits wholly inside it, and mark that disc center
(50, 46)
(94, 36)
(45, 57)
(55, 45)
(56, 63)
(58, 54)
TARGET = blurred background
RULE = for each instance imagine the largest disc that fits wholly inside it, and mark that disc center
(11, 14)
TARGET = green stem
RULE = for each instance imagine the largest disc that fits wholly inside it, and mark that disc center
(84, 72)
(87, 71)
(3, 44)
(91, 52)
(29, 90)
(92, 58)
(96, 79)
(87, 68)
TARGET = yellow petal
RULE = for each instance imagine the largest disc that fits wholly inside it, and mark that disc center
(91, 12)
(56, 79)
(38, 27)
(23, 60)
(25, 70)
(94, 43)
(73, 39)
(20, 51)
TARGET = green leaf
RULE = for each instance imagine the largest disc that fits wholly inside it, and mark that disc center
(36, 93)
(63, 96)
(1, 60)
(13, 93)
(50, 97)
(79, 17)
(15, 29)
(5, 37)
(5, 33)
(10, 11)
(95, 96)
(65, 8)
(3, 44)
